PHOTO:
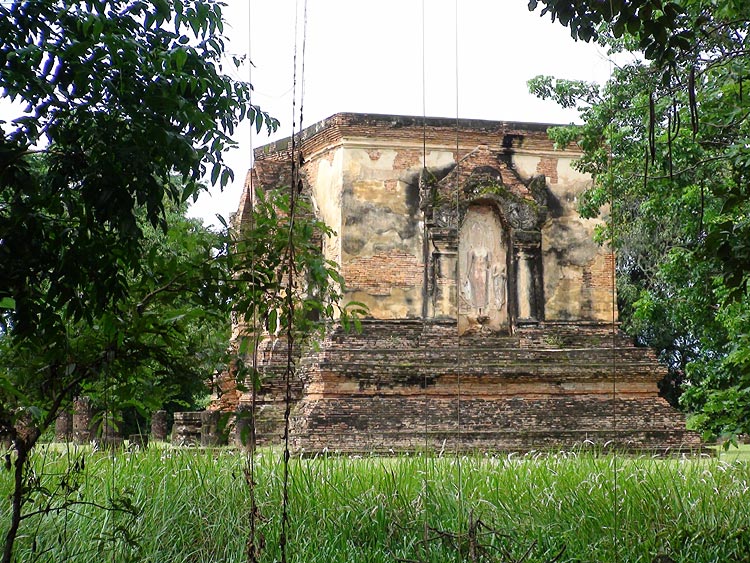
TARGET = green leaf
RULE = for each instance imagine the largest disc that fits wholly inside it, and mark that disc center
(272, 324)
(179, 56)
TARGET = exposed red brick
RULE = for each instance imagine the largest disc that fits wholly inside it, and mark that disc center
(548, 167)
(379, 273)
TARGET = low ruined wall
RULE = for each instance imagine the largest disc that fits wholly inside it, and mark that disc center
(186, 430)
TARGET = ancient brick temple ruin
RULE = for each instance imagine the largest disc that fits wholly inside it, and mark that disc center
(492, 324)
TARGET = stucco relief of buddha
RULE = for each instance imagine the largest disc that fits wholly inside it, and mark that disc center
(485, 281)
(483, 258)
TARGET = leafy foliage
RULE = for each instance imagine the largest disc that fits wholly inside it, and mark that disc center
(156, 344)
(105, 288)
(662, 28)
(279, 244)
(127, 108)
(123, 102)
(667, 145)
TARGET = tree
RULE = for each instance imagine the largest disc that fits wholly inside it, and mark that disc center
(667, 144)
(121, 96)
(158, 343)
(661, 28)
(105, 289)
(123, 103)
(173, 327)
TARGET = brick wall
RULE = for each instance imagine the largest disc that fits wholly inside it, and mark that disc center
(598, 275)
(379, 273)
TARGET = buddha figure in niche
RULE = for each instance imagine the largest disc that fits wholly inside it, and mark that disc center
(483, 271)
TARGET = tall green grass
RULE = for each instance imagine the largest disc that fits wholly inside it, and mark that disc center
(194, 507)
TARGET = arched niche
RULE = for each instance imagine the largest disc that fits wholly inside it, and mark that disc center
(484, 270)
(489, 226)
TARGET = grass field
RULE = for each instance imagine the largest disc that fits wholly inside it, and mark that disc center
(194, 507)
(739, 453)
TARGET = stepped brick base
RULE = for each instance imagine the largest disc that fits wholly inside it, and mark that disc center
(408, 385)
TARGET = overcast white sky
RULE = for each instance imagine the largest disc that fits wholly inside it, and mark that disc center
(367, 57)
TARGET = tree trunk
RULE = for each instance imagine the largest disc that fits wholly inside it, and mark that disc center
(17, 500)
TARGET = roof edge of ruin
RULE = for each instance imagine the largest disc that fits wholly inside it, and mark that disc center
(338, 122)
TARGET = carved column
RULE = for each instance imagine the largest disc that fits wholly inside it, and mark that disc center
(524, 285)
(527, 257)
(442, 274)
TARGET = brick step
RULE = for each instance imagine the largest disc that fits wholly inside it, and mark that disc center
(391, 348)
(427, 361)
(404, 360)
(388, 338)
(392, 414)
(660, 442)
(488, 374)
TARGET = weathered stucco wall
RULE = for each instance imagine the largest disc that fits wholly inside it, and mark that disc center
(382, 234)
(579, 272)
(324, 173)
